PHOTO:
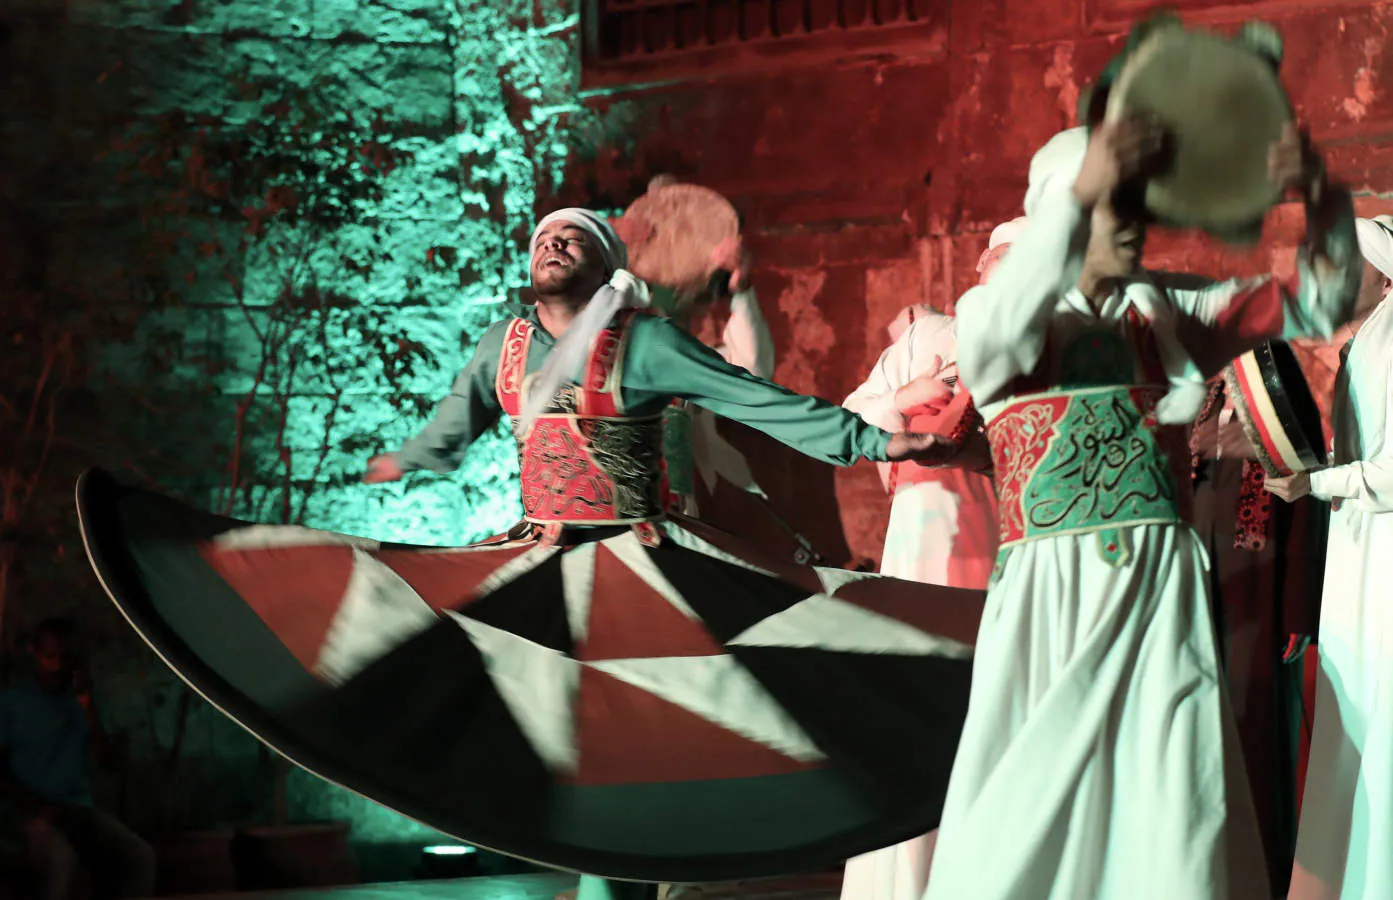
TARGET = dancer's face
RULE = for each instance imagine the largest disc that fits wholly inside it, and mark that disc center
(1372, 288)
(994, 257)
(567, 261)
(1116, 243)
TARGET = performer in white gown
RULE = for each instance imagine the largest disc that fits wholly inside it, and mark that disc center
(1099, 759)
(942, 526)
(942, 521)
(1345, 844)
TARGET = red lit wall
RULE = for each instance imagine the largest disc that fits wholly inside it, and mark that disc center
(870, 183)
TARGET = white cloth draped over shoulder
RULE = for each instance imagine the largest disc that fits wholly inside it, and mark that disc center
(1345, 844)
(1099, 758)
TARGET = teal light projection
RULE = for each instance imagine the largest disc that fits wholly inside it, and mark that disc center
(509, 81)
(336, 198)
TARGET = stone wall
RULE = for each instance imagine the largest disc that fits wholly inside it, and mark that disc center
(142, 248)
(248, 245)
(870, 179)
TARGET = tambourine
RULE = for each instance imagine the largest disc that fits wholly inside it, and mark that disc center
(1275, 406)
(1221, 103)
(670, 232)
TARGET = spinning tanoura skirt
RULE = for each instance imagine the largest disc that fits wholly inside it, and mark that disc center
(683, 712)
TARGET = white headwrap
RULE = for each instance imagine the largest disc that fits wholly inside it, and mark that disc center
(1006, 232)
(1376, 242)
(623, 291)
(612, 249)
(1002, 235)
(1055, 166)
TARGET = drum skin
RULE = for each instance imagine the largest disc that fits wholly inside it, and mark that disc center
(1276, 409)
(672, 230)
(1222, 103)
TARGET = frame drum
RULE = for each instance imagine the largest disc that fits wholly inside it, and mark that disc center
(1221, 102)
(670, 232)
(1276, 408)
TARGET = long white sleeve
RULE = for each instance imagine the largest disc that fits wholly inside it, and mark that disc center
(874, 400)
(910, 356)
(1363, 485)
(1224, 320)
(1364, 409)
(746, 341)
(1002, 325)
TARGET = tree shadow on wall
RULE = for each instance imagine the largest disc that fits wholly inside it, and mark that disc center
(170, 215)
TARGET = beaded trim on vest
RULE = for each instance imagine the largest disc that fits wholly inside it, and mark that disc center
(679, 461)
(584, 461)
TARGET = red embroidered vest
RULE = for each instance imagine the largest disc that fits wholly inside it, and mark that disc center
(584, 461)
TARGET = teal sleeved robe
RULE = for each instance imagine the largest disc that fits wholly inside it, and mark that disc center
(660, 362)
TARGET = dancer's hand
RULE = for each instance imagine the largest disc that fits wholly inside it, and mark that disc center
(1291, 488)
(927, 390)
(383, 468)
(1117, 153)
(925, 449)
(975, 455)
(1294, 164)
(734, 257)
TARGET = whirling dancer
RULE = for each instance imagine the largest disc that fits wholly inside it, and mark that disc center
(604, 689)
(1343, 850)
(1099, 758)
(942, 526)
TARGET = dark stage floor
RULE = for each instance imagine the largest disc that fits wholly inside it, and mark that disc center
(541, 887)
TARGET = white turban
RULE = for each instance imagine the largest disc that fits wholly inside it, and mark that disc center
(612, 249)
(622, 291)
(1002, 235)
(1055, 166)
(1376, 242)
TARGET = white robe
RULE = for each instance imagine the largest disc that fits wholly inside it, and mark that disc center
(942, 521)
(1345, 844)
(1099, 759)
(942, 531)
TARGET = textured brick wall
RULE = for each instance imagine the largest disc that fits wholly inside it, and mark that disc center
(153, 256)
(868, 181)
(872, 181)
